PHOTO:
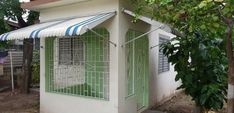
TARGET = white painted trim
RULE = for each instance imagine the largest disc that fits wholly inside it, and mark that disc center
(148, 20)
(79, 16)
(162, 32)
(143, 18)
(58, 3)
(230, 91)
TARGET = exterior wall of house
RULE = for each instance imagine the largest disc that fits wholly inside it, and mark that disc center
(161, 85)
(79, 9)
(127, 104)
(57, 103)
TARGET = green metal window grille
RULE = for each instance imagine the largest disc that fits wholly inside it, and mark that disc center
(130, 53)
(137, 56)
(163, 64)
(78, 66)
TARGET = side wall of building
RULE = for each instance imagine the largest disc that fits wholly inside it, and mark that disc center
(162, 85)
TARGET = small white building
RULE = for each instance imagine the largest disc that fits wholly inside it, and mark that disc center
(95, 60)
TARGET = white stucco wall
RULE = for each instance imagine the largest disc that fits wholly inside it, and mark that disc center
(127, 105)
(161, 86)
(57, 103)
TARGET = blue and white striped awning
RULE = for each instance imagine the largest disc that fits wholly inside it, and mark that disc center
(67, 27)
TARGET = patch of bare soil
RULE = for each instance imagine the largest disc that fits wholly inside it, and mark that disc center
(19, 103)
(181, 103)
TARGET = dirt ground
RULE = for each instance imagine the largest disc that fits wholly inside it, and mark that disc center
(180, 104)
(19, 103)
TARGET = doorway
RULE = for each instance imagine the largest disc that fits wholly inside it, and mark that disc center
(138, 68)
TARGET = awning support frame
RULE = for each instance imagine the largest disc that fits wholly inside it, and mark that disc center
(101, 36)
(161, 26)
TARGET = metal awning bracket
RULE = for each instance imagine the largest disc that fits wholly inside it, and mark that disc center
(160, 27)
(101, 36)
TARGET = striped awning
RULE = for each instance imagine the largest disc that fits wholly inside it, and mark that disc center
(66, 27)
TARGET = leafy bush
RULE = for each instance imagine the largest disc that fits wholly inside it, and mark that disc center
(201, 65)
(36, 68)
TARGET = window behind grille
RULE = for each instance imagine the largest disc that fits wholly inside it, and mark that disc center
(70, 51)
(164, 65)
(65, 74)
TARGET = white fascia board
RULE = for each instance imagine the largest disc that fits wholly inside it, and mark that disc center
(160, 31)
(147, 20)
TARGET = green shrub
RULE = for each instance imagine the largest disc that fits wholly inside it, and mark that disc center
(36, 68)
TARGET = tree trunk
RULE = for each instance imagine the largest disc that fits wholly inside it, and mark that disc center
(27, 64)
(25, 77)
(199, 109)
(230, 55)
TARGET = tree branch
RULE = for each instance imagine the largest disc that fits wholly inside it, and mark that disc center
(177, 33)
(21, 22)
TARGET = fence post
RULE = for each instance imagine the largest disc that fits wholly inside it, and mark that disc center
(12, 74)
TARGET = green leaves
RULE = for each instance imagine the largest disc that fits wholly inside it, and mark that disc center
(200, 63)
(150, 2)
(165, 2)
(204, 3)
(199, 56)
(211, 96)
(36, 68)
(11, 10)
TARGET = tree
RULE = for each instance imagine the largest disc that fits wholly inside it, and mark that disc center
(201, 65)
(11, 10)
(3, 28)
(210, 18)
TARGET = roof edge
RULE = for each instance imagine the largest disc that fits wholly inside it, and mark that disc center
(29, 5)
(147, 20)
